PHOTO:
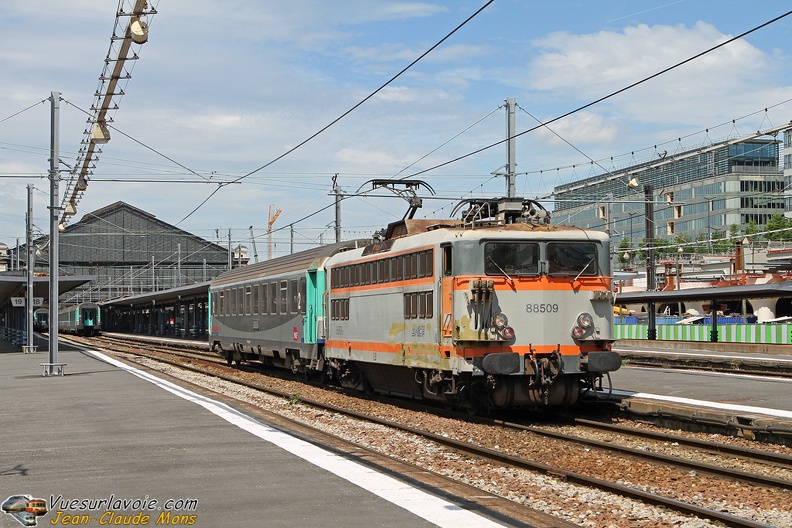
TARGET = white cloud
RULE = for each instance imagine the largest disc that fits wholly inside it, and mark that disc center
(593, 65)
(580, 129)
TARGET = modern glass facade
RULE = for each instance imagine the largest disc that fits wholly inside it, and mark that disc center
(697, 194)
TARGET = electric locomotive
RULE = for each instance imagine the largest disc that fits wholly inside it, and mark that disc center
(499, 309)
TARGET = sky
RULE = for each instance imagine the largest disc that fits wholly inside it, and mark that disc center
(222, 89)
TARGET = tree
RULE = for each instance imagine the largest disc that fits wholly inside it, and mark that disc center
(774, 227)
(751, 228)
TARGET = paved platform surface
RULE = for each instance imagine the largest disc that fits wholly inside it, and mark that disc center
(757, 403)
(101, 433)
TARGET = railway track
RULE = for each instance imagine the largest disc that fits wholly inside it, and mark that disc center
(484, 446)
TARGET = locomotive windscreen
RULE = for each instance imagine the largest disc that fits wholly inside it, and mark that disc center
(572, 258)
(511, 257)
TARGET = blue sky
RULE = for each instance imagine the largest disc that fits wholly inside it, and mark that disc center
(226, 87)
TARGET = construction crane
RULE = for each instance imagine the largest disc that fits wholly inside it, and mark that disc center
(271, 217)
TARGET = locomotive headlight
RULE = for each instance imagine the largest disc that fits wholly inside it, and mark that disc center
(500, 321)
(583, 324)
(578, 332)
(507, 333)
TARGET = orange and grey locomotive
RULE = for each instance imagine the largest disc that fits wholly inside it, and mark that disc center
(499, 309)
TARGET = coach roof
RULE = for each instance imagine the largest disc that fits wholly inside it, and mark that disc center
(301, 261)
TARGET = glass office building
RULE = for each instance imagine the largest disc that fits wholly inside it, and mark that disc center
(698, 194)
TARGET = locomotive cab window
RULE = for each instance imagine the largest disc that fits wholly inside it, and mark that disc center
(511, 258)
(572, 258)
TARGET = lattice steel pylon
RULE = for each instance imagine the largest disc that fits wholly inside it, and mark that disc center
(131, 28)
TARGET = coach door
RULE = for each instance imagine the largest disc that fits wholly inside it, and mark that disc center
(314, 309)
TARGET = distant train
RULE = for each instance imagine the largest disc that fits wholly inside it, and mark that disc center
(81, 319)
(41, 320)
(497, 310)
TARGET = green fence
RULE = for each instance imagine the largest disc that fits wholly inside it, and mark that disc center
(776, 334)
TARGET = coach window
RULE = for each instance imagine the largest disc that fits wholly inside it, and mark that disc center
(301, 296)
(273, 295)
(284, 296)
(294, 297)
(255, 300)
(219, 304)
(263, 298)
(248, 300)
(227, 302)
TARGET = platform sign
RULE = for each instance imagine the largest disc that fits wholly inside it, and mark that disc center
(19, 302)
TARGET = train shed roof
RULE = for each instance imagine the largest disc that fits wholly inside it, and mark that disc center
(172, 295)
(13, 284)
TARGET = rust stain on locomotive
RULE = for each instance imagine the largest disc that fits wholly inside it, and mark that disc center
(396, 329)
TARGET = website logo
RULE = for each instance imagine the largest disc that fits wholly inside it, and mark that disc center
(24, 508)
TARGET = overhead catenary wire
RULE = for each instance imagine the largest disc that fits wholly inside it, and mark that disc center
(608, 96)
(342, 116)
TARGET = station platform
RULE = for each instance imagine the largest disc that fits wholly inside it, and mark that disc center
(691, 388)
(105, 437)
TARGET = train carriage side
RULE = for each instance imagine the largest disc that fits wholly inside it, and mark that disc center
(81, 319)
(272, 311)
(505, 316)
